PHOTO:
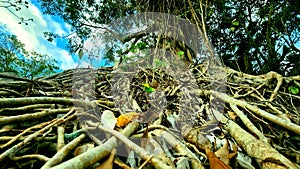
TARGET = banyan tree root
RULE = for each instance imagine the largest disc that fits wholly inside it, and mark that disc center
(60, 120)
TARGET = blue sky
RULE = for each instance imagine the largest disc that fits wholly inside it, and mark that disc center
(32, 34)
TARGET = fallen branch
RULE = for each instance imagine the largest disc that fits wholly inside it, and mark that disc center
(228, 99)
(90, 157)
(263, 152)
(63, 152)
(11, 151)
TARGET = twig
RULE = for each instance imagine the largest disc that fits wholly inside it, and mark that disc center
(24, 132)
(30, 116)
(88, 158)
(260, 150)
(137, 149)
(63, 152)
(31, 156)
(11, 151)
(248, 123)
(178, 146)
(280, 121)
(12, 102)
(60, 138)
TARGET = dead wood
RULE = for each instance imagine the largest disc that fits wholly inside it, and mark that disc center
(76, 118)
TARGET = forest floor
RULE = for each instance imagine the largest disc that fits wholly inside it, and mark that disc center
(85, 118)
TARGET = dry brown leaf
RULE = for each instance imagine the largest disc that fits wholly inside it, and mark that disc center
(145, 138)
(223, 153)
(124, 119)
(215, 162)
(108, 163)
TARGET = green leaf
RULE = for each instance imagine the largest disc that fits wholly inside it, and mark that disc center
(293, 89)
(236, 23)
(180, 53)
(80, 53)
(159, 63)
(133, 48)
(148, 89)
(141, 45)
(232, 28)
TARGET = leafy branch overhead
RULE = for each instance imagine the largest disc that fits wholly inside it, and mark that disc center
(14, 6)
(252, 37)
(14, 58)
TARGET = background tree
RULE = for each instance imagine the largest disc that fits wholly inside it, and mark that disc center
(14, 57)
(250, 36)
(256, 36)
(29, 64)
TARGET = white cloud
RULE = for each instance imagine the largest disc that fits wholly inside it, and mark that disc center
(55, 26)
(37, 15)
(32, 34)
(67, 26)
(26, 33)
(66, 60)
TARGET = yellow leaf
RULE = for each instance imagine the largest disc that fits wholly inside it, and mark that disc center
(124, 119)
(232, 115)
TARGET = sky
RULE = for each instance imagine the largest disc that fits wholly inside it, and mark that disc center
(33, 38)
(32, 34)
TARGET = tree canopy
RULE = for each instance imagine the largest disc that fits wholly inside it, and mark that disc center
(16, 59)
(249, 36)
(166, 114)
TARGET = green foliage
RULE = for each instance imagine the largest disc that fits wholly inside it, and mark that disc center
(141, 45)
(262, 37)
(251, 36)
(235, 23)
(138, 47)
(38, 65)
(134, 49)
(293, 89)
(180, 53)
(158, 63)
(128, 58)
(147, 88)
(75, 13)
(29, 64)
